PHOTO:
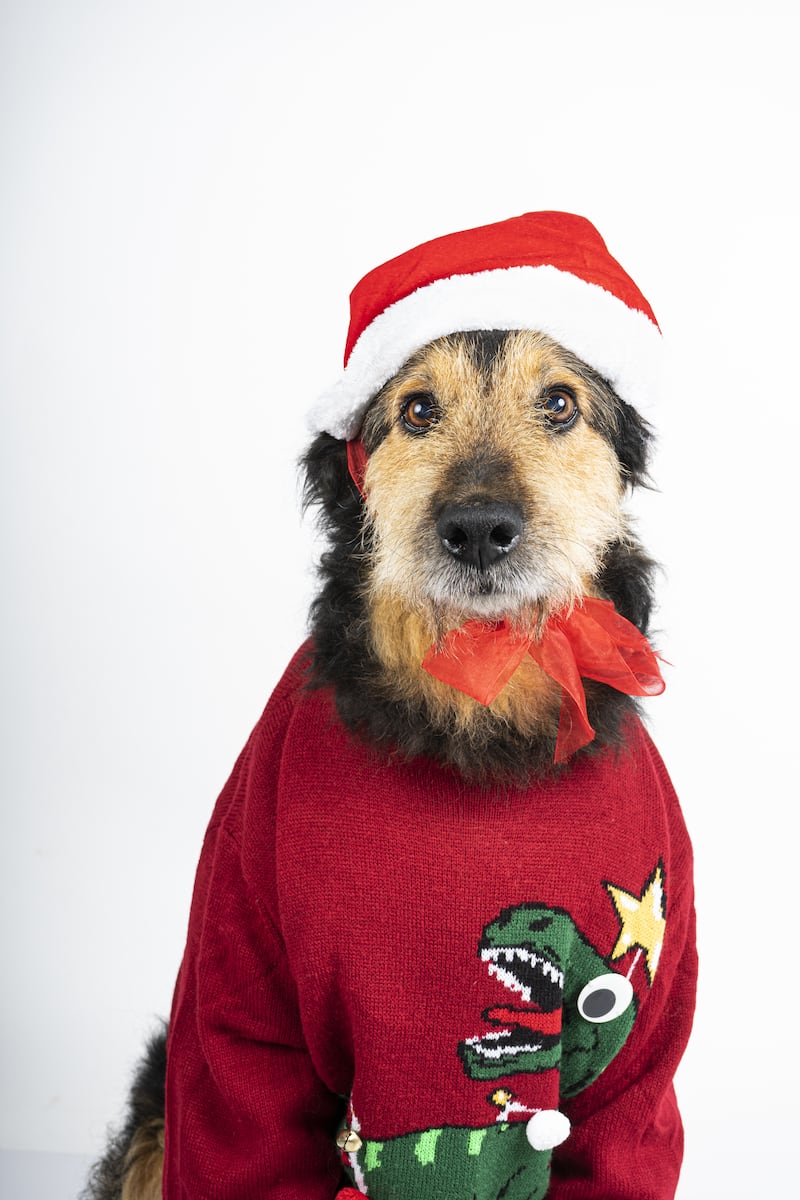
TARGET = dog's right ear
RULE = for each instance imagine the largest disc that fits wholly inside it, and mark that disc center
(633, 438)
(327, 481)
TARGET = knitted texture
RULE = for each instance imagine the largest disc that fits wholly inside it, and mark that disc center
(381, 954)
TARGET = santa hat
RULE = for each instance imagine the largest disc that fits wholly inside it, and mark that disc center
(546, 271)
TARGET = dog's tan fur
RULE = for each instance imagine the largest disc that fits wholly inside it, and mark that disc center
(529, 702)
(144, 1164)
(567, 482)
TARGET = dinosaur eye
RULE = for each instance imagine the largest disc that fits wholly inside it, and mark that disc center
(419, 412)
(559, 405)
(605, 998)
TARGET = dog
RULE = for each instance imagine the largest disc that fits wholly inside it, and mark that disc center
(449, 832)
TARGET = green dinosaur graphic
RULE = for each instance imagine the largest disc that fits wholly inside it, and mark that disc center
(496, 1163)
(566, 1012)
(540, 956)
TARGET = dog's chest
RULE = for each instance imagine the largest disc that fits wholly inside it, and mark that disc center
(435, 930)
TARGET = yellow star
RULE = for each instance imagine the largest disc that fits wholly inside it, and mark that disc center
(643, 920)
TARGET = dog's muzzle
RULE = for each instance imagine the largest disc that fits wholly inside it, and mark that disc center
(480, 534)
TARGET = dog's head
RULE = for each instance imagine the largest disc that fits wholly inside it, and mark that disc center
(497, 469)
(497, 462)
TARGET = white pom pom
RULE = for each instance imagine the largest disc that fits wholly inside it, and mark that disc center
(547, 1128)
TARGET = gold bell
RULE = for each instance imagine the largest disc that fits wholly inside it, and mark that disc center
(349, 1141)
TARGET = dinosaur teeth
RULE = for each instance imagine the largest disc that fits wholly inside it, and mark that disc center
(510, 981)
(488, 1046)
(554, 973)
(494, 955)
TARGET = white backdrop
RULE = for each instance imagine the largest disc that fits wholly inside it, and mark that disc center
(188, 193)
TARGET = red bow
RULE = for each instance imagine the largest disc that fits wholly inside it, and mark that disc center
(592, 640)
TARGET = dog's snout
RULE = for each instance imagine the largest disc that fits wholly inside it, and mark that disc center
(479, 534)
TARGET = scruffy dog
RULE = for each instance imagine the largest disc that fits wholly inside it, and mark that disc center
(441, 944)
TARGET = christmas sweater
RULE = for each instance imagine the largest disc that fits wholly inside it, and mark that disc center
(423, 989)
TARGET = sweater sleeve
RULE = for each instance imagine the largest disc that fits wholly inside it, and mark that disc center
(627, 1138)
(247, 1115)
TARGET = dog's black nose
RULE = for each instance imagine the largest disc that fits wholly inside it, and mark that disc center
(479, 534)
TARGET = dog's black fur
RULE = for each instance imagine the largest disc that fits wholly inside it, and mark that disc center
(145, 1109)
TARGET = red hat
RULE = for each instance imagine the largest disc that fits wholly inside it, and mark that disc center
(546, 271)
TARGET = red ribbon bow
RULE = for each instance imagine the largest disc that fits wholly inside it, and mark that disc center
(591, 641)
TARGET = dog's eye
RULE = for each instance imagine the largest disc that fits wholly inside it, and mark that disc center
(419, 412)
(560, 405)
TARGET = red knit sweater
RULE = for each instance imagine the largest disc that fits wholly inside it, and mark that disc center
(378, 947)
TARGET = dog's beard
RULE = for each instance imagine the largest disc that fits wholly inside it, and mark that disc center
(523, 590)
(508, 591)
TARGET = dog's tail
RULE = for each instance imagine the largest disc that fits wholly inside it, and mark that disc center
(132, 1164)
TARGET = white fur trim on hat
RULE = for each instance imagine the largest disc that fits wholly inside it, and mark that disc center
(621, 343)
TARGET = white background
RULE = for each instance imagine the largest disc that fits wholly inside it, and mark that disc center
(189, 191)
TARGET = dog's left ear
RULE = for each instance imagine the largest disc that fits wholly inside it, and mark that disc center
(632, 439)
(328, 485)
